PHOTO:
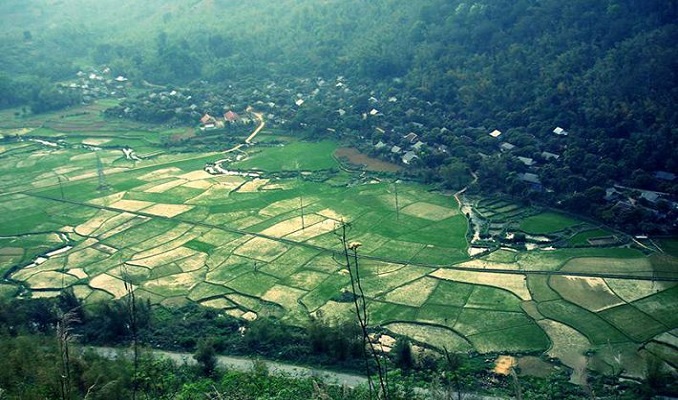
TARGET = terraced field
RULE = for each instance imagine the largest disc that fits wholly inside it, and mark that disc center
(267, 245)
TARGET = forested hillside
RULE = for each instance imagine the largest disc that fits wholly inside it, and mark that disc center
(603, 70)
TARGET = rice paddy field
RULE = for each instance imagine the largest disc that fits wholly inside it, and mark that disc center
(75, 212)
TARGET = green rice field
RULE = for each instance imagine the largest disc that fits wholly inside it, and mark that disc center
(73, 216)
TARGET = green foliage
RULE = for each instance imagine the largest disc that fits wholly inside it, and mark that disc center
(403, 357)
(205, 355)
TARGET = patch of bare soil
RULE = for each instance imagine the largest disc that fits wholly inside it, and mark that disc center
(504, 364)
(371, 164)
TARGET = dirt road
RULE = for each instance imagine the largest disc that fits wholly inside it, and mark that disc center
(246, 364)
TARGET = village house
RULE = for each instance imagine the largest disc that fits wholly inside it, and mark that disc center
(549, 156)
(411, 137)
(208, 122)
(231, 117)
(612, 194)
(528, 162)
(560, 131)
(665, 176)
(532, 180)
(380, 145)
(408, 157)
(506, 146)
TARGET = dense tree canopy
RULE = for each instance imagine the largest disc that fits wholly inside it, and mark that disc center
(605, 70)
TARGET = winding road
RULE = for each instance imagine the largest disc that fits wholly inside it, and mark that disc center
(274, 368)
(248, 141)
(244, 364)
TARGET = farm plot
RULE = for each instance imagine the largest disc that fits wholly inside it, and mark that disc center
(161, 257)
(449, 293)
(569, 346)
(590, 293)
(305, 280)
(252, 283)
(9, 256)
(504, 256)
(592, 237)
(490, 298)
(413, 294)
(528, 337)
(294, 260)
(631, 266)
(436, 314)
(261, 249)
(661, 306)
(171, 261)
(50, 280)
(429, 211)
(596, 329)
(514, 283)
(294, 156)
(21, 214)
(150, 230)
(16, 250)
(286, 297)
(109, 284)
(601, 260)
(286, 205)
(630, 290)
(546, 222)
(634, 323)
(496, 330)
(170, 235)
(376, 284)
(322, 226)
(435, 336)
(540, 289)
(231, 268)
(174, 285)
(330, 288)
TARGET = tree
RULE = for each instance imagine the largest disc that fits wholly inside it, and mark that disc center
(403, 355)
(205, 355)
(455, 174)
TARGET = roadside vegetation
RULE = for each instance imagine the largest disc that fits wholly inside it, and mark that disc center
(31, 368)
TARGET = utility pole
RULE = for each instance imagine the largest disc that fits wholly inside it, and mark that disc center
(301, 198)
(397, 207)
(100, 172)
(301, 207)
(61, 188)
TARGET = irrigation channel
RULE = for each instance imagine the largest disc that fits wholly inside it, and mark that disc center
(648, 275)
